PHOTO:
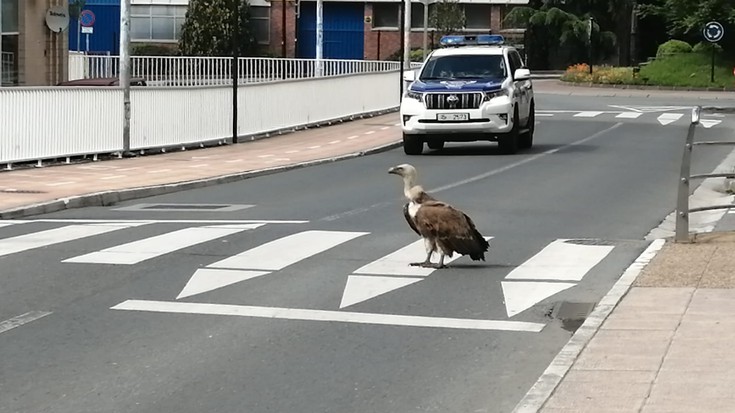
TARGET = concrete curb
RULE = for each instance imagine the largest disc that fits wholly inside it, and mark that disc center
(542, 390)
(647, 87)
(114, 196)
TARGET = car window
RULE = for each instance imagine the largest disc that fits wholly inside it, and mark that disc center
(464, 67)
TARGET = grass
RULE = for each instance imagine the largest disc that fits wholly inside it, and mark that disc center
(682, 70)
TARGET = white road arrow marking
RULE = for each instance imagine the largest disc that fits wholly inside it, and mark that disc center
(520, 296)
(708, 123)
(281, 253)
(561, 260)
(331, 316)
(364, 287)
(359, 289)
(55, 236)
(9, 223)
(148, 248)
(208, 279)
(667, 118)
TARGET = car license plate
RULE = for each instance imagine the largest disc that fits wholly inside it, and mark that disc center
(452, 117)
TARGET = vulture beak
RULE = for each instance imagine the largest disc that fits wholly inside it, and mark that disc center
(394, 170)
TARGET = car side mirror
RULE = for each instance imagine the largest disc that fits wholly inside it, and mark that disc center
(522, 74)
(409, 76)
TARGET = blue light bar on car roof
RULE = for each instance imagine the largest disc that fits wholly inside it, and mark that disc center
(462, 40)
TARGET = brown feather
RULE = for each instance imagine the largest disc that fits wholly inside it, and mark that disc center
(452, 229)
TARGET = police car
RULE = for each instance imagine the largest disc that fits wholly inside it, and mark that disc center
(472, 88)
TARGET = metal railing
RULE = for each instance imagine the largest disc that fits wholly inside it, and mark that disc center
(213, 71)
(682, 201)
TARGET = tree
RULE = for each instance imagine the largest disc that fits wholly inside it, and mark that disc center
(556, 38)
(207, 30)
(447, 17)
(687, 16)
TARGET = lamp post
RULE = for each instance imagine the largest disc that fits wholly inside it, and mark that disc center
(125, 71)
(426, 27)
(407, 33)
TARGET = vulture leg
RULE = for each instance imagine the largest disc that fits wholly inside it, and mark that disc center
(440, 264)
(429, 250)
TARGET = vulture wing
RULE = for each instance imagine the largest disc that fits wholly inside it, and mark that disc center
(453, 229)
(409, 219)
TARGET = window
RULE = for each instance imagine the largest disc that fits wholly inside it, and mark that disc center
(477, 16)
(10, 16)
(385, 15)
(159, 23)
(417, 15)
(261, 23)
(9, 43)
(464, 67)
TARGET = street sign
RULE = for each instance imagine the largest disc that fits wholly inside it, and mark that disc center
(713, 32)
(87, 30)
(87, 18)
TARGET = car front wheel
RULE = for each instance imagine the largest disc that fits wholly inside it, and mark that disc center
(412, 145)
(508, 142)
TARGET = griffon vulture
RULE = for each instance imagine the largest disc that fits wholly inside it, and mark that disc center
(445, 229)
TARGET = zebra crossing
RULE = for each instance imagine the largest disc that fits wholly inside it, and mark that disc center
(559, 265)
(667, 118)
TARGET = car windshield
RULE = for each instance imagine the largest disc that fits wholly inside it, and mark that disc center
(462, 67)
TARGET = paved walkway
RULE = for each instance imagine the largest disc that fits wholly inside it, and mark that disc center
(661, 341)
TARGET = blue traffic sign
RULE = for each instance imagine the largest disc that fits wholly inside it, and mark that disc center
(86, 18)
(713, 32)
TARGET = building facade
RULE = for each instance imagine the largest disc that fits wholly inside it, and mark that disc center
(287, 28)
(31, 54)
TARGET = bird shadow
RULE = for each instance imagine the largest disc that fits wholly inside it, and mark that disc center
(478, 265)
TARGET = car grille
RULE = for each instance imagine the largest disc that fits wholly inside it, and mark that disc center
(453, 100)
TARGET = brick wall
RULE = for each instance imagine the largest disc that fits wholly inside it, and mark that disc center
(42, 55)
(276, 24)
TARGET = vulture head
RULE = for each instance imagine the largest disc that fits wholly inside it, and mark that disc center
(408, 173)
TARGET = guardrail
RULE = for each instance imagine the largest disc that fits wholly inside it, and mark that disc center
(685, 177)
(210, 71)
(44, 123)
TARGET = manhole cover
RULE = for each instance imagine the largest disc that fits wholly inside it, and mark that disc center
(589, 242)
(185, 207)
(20, 191)
(572, 315)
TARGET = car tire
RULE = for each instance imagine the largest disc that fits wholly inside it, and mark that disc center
(435, 144)
(412, 145)
(508, 142)
(525, 140)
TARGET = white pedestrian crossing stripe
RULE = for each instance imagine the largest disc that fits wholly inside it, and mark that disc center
(66, 233)
(146, 249)
(558, 266)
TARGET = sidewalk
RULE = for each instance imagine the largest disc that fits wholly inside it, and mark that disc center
(32, 191)
(661, 341)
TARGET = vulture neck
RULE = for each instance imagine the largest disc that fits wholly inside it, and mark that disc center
(410, 189)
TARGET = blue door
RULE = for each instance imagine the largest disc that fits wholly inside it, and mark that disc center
(343, 30)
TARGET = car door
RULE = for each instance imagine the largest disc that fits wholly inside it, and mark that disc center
(523, 87)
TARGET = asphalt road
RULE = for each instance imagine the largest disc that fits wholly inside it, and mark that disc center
(294, 328)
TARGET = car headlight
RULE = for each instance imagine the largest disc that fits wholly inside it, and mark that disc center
(414, 95)
(495, 94)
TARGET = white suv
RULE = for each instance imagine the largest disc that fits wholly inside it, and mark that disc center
(473, 88)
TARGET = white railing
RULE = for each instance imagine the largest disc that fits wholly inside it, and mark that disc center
(207, 71)
(59, 122)
(42, 123)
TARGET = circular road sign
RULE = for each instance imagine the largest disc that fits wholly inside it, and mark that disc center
(86, 18)
(713, 32)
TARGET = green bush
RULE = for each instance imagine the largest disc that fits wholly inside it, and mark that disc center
(706, 47)
(416, 55)
(673, 47)
(152, 49)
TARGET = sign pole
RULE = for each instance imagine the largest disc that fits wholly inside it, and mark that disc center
(712, 68)
(401, 13)
(319, 36)
(713, 33)
(235, 66)
(1, 44)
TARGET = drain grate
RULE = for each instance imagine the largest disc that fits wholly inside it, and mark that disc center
(589, 242)
(20, 191)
